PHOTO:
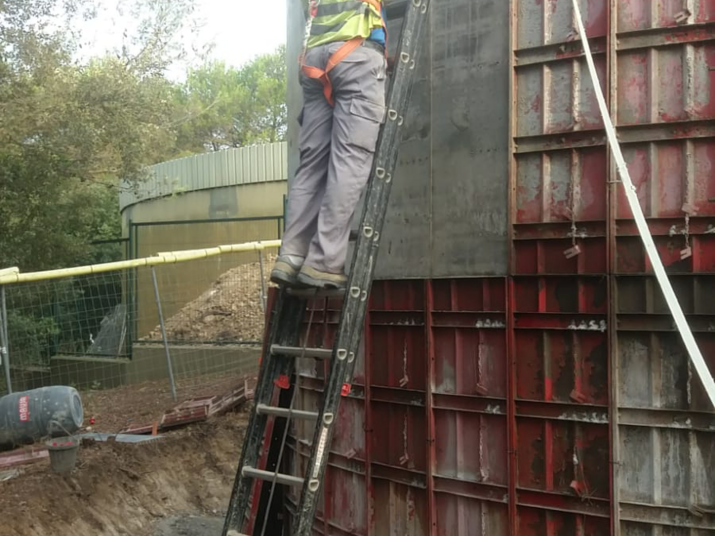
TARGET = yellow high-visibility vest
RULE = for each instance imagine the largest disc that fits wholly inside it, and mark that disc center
(343, 20)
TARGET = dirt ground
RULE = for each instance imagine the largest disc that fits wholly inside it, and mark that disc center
(231, 310)
(131, 490)
(178, 485)
(189, 526)
(115, 409)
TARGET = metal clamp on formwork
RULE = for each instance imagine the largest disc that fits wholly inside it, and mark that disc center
(667, 288)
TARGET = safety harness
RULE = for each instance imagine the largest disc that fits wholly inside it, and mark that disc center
(343, 52)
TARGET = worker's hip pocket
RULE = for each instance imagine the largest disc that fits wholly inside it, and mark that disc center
(366, 117)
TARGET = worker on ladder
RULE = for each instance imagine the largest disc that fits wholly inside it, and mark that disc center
(343, 73)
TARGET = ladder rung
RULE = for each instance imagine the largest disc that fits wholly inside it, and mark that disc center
(234, 533)
(316, 293)
(280, 478)
(262, 409)
(292, 351)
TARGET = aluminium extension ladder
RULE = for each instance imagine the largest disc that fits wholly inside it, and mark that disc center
(251, 508)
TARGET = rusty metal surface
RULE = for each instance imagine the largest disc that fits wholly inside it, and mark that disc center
(665, 437)
(632, 382)
(557, 400)
(433, 366)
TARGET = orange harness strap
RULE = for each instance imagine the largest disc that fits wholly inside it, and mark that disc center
(322, 75)
(343, 52)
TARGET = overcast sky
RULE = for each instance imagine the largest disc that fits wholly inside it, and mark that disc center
(240, 29)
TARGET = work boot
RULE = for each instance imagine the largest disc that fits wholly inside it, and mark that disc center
(310, 277)
(286, 269)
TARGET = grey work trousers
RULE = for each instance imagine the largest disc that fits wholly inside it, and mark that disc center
(337, 148)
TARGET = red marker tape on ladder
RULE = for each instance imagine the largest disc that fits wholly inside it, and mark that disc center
(283, 382)
(346, 389)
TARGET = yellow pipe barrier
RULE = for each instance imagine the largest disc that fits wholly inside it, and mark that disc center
(9, 271)
(13, 275)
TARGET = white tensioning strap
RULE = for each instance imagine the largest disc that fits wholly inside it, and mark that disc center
(695, 356)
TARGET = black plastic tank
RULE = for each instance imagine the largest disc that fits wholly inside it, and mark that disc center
(32, 415)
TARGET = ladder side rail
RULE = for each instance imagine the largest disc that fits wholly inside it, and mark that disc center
(266, 512)
(285, 330)
(363, 267)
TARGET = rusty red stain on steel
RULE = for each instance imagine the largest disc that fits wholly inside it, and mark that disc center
(707, 11)
(597, 18)
(685, 36)
(548, 454)
(369, 491)
(183, 417)
(548, 389)
(536, 103)
(258, 484)
(429, 408)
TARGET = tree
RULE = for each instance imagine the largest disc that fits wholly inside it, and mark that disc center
(162, 34)
(68, 132)
(263, 115)
(234, 107)
(209, 100)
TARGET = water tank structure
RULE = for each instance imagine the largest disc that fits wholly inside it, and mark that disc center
(231, 196)
(175, 205)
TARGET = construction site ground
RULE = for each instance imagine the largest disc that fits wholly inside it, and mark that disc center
(114, 410)
(179, 484)
(189, 526)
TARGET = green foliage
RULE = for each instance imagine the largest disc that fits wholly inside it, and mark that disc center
(59, 317)
(234, 107)
(32, 328)
(36, 332)
(70, 131)
(63, 144)
(263, 114)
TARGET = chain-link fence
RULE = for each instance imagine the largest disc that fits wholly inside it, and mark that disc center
(100, 328)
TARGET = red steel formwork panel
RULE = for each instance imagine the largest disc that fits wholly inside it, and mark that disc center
(559, 342)
(641, 449)
(422, 443)
(558, 400)
(663, 67)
